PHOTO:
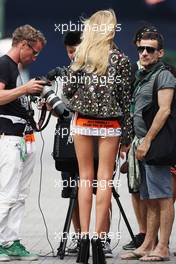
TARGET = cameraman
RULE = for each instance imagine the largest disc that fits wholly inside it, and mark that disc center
(16, 165)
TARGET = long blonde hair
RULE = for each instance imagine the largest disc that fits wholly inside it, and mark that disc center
(93, 52)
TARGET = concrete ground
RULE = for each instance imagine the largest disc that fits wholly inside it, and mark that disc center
(54, 209)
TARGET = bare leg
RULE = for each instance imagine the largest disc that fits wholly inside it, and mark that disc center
(152, 226)
(152, 229)
(107, 220)
(140, 210)
(166, 221)
(85, 153)
(76, 219)
(108, 148)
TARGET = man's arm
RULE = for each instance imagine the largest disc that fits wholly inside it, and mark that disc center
(165, 97)
(31, 87)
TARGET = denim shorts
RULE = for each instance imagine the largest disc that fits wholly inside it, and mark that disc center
(156, 182)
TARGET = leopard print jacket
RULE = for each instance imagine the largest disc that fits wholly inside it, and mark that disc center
(105, 96)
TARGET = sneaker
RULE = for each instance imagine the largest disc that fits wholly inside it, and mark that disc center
(18, 252)
(139, 241)
(107, 247)
(3, 255)
(73, 247)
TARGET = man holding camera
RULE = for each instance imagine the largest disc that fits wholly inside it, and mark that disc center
(16, 164)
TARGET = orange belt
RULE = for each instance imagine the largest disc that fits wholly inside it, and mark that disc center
(97, 123)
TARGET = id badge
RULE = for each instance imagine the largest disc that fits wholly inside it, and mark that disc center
(23, 149)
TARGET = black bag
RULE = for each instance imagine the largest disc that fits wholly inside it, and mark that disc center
(163, 148)
(64, 151)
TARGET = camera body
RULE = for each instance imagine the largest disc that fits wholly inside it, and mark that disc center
(52, 99)
(58, 71)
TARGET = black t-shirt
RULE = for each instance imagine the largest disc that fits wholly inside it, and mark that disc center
(9, 75)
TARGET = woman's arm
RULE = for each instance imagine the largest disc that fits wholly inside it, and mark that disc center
(70, 84)
(124, 91)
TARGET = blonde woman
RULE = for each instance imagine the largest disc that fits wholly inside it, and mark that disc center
(98, 91)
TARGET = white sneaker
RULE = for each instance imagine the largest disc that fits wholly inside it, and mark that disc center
(73, 247)
(107, 248)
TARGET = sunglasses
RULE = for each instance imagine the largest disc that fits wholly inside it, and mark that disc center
(35, 53)
(150, 50)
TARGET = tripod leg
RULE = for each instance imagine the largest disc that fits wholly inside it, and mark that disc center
(63, 243)
(116, 197)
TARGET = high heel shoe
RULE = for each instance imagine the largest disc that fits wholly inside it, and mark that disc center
(97, 251)
(83, 254)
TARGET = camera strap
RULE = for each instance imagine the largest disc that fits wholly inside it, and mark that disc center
(38, 126)
(30, 112)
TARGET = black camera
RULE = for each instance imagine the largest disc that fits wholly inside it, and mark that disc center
(58, 71)
(52, 99)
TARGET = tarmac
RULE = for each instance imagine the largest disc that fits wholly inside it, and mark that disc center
(46, 187)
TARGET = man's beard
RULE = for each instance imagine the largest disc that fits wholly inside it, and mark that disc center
(150, 65)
